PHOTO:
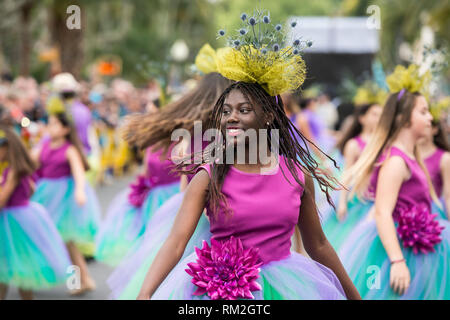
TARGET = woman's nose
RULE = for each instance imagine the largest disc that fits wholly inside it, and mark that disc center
(233, 116)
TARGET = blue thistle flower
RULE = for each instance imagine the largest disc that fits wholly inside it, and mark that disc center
(243, 16)
(293, 24)
(266, 19)
(236, 43)
(296, 42)
(295, 52)
(243, 31)
(276, 47)
(252, 21)
(309, 43)
(221, 32)
(263, 50)
(278, 27)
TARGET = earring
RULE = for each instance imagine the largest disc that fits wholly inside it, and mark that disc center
(268, 123)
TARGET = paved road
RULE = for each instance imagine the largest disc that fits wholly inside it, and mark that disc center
(99, 271)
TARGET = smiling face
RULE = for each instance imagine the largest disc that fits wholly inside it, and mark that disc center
(421, 118)
(239, 115)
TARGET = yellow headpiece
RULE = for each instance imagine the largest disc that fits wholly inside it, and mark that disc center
(2, 134)
(437, 109)
(206, 59)
(55, 105)
(370, 93)
(256, 55)
(409, 79)
(312, 92)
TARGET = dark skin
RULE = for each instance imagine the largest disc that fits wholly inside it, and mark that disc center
(239, 113)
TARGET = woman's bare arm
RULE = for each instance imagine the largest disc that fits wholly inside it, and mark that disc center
(390, 178)
(316, 243)
(184, 226)
(393, 173)
(78, 173)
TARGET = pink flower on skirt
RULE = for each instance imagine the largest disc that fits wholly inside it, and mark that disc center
(417, 228)
(139, 191)
(225, 270)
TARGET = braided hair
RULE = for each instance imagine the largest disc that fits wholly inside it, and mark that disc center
(297, 157)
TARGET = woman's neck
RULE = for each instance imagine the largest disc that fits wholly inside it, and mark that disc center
(405, 142)
(366, 134)
(261, 163)
(57, 142)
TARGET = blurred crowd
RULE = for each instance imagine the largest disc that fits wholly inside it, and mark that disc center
(24, 102)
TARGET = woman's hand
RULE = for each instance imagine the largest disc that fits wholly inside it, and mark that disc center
(341, 211)
(80, 197)
(400, 278)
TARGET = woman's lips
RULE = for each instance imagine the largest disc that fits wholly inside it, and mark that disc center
(234, 131)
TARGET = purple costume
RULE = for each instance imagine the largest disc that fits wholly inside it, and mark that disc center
(128, 216)
(263, 220)
(82, 118)
(416, 229)
(32, 253)
(56, 190)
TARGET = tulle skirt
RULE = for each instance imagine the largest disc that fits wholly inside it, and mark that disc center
(337, 231)
(74, 223)
(32, 253)
(126, 280)
(368, 265)
(293, 278)
(125, 224)
(442, 213)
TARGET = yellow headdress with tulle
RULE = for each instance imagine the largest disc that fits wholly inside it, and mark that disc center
(370, 93)
(256, 55)
(437, 109)
(312, 92)
(206, 59)
(2, 134)
(409, 79)
(55, 105)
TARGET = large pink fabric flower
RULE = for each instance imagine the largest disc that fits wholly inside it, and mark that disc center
(417, 228)
(225, 270)
(139, 190)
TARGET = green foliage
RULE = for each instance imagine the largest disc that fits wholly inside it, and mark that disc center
(142, 31)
